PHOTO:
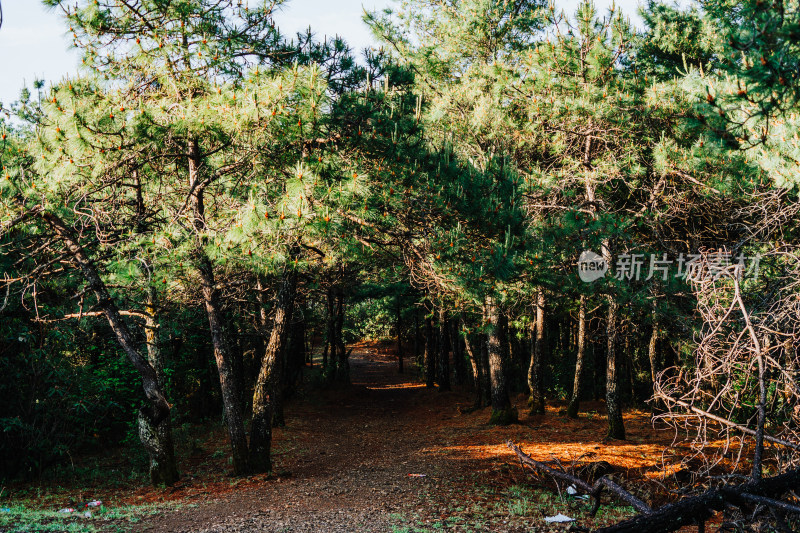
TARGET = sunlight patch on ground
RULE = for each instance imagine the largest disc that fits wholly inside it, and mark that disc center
(387, 386)
(623, 455)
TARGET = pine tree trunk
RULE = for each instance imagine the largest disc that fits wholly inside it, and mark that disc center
(486, 382)
(458, 352)
(616, 428)
(536, 367)
(399, 323)
(789, 393)
(564, 328)
(574, 402)
(157, 438)
(443, 359)
(652, 349)
(222, 353)
(227, 376)
(343, 363)
(630, 367)
(268, 379)
(156, 417)
(430, 353)
(237, 359)
(330, 336)
(417, 340)
(474, 354)
(296, 353)
(502, 411)
(278, 419)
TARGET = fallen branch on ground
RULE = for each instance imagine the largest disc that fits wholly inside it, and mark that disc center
(695, 510)
(592, 490)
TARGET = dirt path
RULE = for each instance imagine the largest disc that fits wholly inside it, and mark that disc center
(349, 455)
(346, 457)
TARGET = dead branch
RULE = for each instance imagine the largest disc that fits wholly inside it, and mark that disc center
(698, 509)
(88, 314)
(725, 421)
(592, 490)
(689, 511)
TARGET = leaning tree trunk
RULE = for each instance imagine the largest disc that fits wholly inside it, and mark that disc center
(536, 367)
(157, 415)
(616, 428)
(443, 359)
(574, 402)
(219, 339)
(268, 377)
(502, 411)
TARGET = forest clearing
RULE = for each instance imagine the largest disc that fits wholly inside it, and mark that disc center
(509, 267)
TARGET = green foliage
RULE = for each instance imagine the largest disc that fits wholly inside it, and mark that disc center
(676, 39)
(476, 160)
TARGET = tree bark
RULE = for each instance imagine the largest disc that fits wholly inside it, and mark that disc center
(157, 415)
(329, 357)
(222, 353)
(157, 438)
(486, 382)
(536, 367)
(417, 340)
(296, 350)
(227, 377)
(474, 355)
(502, 411)
(652, 352)
(399, 328)
(430, 353)
(457, 342)
(616, 428)
(574, 402)
(343, 363)
(269, 376)
(443, 359)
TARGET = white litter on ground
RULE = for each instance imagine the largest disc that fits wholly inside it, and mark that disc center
(571, 490)
(558, 519)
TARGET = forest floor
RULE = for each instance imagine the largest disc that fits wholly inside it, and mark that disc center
(385, 454)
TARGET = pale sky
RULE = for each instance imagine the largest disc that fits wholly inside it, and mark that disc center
(34, 43)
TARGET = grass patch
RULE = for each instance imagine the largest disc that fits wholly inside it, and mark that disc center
(20, 518)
